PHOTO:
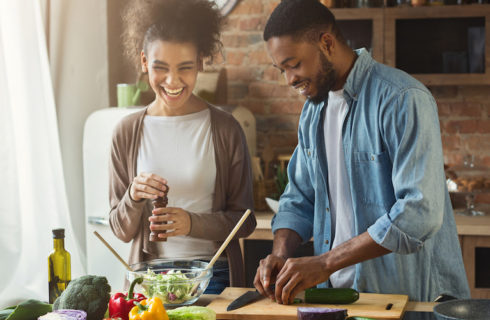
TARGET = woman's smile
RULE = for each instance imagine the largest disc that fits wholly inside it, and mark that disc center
(172, 93)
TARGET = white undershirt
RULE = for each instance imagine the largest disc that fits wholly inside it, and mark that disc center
(181, 150)
(338, 182)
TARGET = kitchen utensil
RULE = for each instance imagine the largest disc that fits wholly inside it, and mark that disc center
(462, 309)
(113, 251)
(256, 169)
(172, 280)
(371, 305)
(244, 299)
(224, 245)
(267, 156)
(125, 94)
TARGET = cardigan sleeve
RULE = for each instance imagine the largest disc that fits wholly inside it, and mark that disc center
(125, 214)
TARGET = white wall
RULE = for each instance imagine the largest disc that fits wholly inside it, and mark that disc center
(79, 67)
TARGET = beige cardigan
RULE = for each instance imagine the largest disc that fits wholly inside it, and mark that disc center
(233, 191)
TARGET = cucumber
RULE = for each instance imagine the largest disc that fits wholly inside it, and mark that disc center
(331, 295)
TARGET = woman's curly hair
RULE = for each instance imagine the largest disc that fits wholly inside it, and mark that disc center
(195, 21)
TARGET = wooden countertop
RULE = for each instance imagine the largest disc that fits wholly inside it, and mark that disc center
(475, 226)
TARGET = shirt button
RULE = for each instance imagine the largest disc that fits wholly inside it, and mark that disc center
(309, 153)
(326, 241)
(372, 158)
(328, 209)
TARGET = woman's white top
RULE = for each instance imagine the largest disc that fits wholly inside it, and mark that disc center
(180, 149)
(338, 183)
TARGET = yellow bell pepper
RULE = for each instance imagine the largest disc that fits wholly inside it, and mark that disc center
(149, 309)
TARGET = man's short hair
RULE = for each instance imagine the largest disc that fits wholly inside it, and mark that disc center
(301, 19)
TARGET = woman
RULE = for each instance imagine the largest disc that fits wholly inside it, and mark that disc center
(181, 141)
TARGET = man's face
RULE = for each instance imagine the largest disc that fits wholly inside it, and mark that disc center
(304, 66)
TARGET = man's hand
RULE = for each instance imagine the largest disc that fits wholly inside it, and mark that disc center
(266, 273)
(299, 274)
(286, 241)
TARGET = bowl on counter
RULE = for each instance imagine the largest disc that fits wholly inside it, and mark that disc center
(273, 204)
(176, 283)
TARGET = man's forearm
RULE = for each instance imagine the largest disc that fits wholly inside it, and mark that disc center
(358, 249)
(286, 241)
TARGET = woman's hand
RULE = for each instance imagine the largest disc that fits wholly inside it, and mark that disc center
(147, 186)
(174, 221)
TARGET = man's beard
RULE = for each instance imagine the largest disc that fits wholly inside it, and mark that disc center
(325, 79)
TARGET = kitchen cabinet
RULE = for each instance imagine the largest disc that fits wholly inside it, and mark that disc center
(439, 45)
(363, 27)
(474, 233)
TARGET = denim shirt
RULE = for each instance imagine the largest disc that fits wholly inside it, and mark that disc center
(394, 161)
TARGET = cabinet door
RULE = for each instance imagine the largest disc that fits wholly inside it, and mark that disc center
(476, 257)
(362, 28)
(445, 45)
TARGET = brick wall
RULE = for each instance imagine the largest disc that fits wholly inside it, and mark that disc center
(255, 84)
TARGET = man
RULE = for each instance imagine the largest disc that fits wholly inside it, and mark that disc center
(366, 179)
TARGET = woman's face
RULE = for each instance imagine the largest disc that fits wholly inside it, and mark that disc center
(172, 69)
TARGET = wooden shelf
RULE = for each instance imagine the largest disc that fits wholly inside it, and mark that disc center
(377, 17)
(384, 35)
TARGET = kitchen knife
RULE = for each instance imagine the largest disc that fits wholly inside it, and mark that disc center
(244, 299)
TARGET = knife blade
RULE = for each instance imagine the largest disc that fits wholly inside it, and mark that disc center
(244, 299)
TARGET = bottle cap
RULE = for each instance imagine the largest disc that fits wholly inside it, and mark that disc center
(58, 233)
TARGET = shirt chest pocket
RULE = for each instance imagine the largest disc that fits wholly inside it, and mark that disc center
(311, 162)
(372, 178)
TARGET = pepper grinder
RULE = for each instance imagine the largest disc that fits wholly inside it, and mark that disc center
(160, 202)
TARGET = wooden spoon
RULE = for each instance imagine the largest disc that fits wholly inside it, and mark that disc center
(222, 248)
(113, 251)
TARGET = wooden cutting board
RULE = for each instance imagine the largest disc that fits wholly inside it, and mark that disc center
(370, 305)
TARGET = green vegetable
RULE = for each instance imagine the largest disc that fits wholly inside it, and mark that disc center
(172, 287)
(88, 293)
(27, 310)
(281, 180)
(191, 313)
(6, 312)
(331, 295)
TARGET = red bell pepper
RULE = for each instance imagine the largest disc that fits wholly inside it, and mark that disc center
(120, 304)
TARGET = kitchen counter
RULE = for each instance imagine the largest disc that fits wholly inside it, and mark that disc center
(475, 226)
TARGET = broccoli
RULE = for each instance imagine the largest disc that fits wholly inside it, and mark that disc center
(88, 293)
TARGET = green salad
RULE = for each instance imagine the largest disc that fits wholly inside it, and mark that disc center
(172, 287)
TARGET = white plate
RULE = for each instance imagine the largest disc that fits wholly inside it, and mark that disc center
(273, 204)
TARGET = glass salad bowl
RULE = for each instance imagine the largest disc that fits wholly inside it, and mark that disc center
(176, 283)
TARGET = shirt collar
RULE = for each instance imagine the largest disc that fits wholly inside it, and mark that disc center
(358, 74)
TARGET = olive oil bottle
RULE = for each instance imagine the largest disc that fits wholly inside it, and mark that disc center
(59, 266)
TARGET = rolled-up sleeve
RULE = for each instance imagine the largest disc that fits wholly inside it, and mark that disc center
(412, 135)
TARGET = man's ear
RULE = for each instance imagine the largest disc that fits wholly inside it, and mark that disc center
(327, 43)
(144, 62)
